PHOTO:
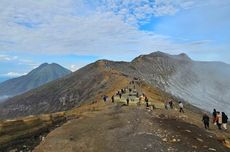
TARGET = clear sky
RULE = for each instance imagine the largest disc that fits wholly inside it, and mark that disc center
(74, 33)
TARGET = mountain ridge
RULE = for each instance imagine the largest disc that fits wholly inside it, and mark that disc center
(35, 78)
(184, 78)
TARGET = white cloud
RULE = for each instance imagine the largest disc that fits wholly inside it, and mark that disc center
(71, 27)
(136, 11)
(86, 28)
(73, 67)
(13, 74)
(17, 60)
(7, 57)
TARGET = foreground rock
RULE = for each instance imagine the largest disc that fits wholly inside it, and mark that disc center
(122, 128)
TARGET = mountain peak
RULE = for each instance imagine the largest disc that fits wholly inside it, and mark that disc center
(47, 64)
(43, 65)
(181, 56)
(158, 53)
(184, 56)
(35, 78)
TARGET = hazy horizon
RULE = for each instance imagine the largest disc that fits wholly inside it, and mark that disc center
(15, 75)
(75, 33)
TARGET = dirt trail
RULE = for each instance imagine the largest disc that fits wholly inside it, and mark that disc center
(123, 129)
(119, 128)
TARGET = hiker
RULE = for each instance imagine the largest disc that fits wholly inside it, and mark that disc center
(130, 90)
(137, 94)
(214, 116)
(120, 95)
(181, 106)
(206, 121)
(147, 101)
(166, 105)
(218, 120)
(139, 102)
(224, 120)
(127, 100)
(122, 91)
(143, 95)
(105, 98)
(112, 98)
(171, 104)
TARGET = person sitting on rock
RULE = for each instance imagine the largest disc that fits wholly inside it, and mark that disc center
(224, 120)
(206, 121)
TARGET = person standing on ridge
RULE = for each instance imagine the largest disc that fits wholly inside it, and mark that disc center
(166, 104)
(137, 94)
(104, 98)
(147, 101)
(171, 104)
(127, 101)
(218, 120)
(181, 106)
(224, 120)
(120, 95)
(130, 90)
(139, 102)
(112, 98)
(206, 121)
(214, 116)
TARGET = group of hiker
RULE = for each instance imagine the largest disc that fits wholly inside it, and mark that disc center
(145, 98)
(169, 105)
(122, 91)
(220, 119)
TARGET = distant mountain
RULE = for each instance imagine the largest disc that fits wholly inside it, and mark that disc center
(37, 77)
(85, 85)
(203, 84)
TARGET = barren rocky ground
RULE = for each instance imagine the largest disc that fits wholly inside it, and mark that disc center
(120, 128)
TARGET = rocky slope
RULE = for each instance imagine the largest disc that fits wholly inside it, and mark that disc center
(37, 77)
(100, 126)
(120, 128)
(204, 84)
(86, 85)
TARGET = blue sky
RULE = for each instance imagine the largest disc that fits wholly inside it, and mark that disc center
(74, 33)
